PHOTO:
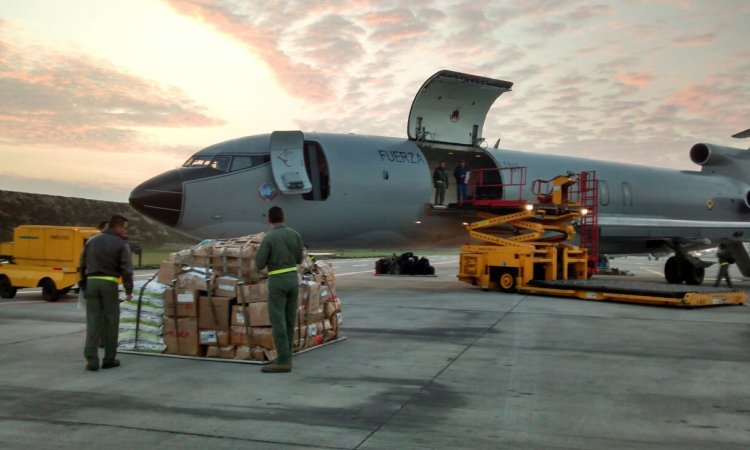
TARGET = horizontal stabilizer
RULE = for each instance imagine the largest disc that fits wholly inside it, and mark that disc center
(743, 135)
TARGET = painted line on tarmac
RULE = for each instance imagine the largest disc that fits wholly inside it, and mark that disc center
(649, 270)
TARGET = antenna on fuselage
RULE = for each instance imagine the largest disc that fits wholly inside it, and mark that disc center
(497, 144)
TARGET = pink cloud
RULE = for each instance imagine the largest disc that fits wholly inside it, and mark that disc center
(695, 41)
(77, 101)
(640, 80)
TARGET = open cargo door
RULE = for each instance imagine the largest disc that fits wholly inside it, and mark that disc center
(451, 107)
(288, 162)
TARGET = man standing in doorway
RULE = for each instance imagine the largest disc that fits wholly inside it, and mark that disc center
(281, 251)
(104, 261)
(440, 178)
(461, 174)
(725, 259)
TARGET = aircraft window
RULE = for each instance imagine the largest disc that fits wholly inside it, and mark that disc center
(317, 170)
(603, 193)
(198, 161)
(241, 162)
(627, 194)
(221, 163)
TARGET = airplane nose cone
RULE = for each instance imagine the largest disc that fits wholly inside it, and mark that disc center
(160, 198)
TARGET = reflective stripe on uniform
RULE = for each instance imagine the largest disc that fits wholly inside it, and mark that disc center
(724, 264)
(438, 182)
(112, 279)
(280, 271)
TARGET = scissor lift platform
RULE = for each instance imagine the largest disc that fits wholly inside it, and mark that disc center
(636, 292)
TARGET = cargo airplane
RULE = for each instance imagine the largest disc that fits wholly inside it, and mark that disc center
(346, 191)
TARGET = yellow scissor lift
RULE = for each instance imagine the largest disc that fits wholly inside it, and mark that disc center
(536, 249)
(525, 249)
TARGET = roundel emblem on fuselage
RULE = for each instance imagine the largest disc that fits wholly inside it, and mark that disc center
(267, 191)
(455, 115)
(710, 204)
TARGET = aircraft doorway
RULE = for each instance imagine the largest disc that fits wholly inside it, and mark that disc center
(474, 160)
(317, 171)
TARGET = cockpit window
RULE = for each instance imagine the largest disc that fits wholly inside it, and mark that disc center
(241, 162)
(221, 163)
(198, 161)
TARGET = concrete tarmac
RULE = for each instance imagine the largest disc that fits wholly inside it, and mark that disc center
(429, 363)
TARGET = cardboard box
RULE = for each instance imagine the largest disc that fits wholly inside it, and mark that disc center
(254, 293)
(257, 312)
(315, 329)
(187, 302)
(196, 279)
(166, 273)
(215, 313)
(332, 307)
(228, 352)
(255, 353)
(315, 316)
(330, 335)
(187, 336)
(332, 287)
(324, 268)
(226, 287)
(259, 337)
(238, 336)
(337, 320)
(259, 315)
(299, 333)
(325, 293)
(214, 337)
(312, 341)
(262, 337)
(310, 294)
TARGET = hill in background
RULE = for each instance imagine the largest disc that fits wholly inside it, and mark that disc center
(20, 208)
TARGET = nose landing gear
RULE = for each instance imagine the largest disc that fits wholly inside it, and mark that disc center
(685, 267)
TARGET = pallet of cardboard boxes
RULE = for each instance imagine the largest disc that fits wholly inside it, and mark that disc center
(215, 303)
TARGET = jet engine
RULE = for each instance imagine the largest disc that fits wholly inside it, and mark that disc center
(728, 161)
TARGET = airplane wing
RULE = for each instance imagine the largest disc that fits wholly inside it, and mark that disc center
(656, 228)
(742, 135)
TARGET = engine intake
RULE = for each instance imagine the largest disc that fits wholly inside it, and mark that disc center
(715, 155)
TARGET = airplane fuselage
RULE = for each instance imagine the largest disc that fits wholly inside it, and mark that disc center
(375, 190)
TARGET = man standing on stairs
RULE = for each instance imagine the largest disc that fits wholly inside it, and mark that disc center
(440, 178)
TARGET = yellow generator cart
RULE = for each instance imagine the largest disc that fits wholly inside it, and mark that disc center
(43, 256)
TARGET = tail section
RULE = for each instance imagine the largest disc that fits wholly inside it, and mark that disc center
(742, 135)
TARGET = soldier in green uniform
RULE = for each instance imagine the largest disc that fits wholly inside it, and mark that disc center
(105, 258)
(281, 251)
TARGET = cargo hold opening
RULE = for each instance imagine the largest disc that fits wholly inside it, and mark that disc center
(474, 160)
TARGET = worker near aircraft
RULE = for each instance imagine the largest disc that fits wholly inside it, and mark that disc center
(725, 259)
(104, 261)
(461, 173)
(440, 178)
(281, 251)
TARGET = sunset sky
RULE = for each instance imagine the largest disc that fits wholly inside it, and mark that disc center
(99, 95)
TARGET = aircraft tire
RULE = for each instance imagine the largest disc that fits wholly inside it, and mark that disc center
(672, 271)
(694, 275)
